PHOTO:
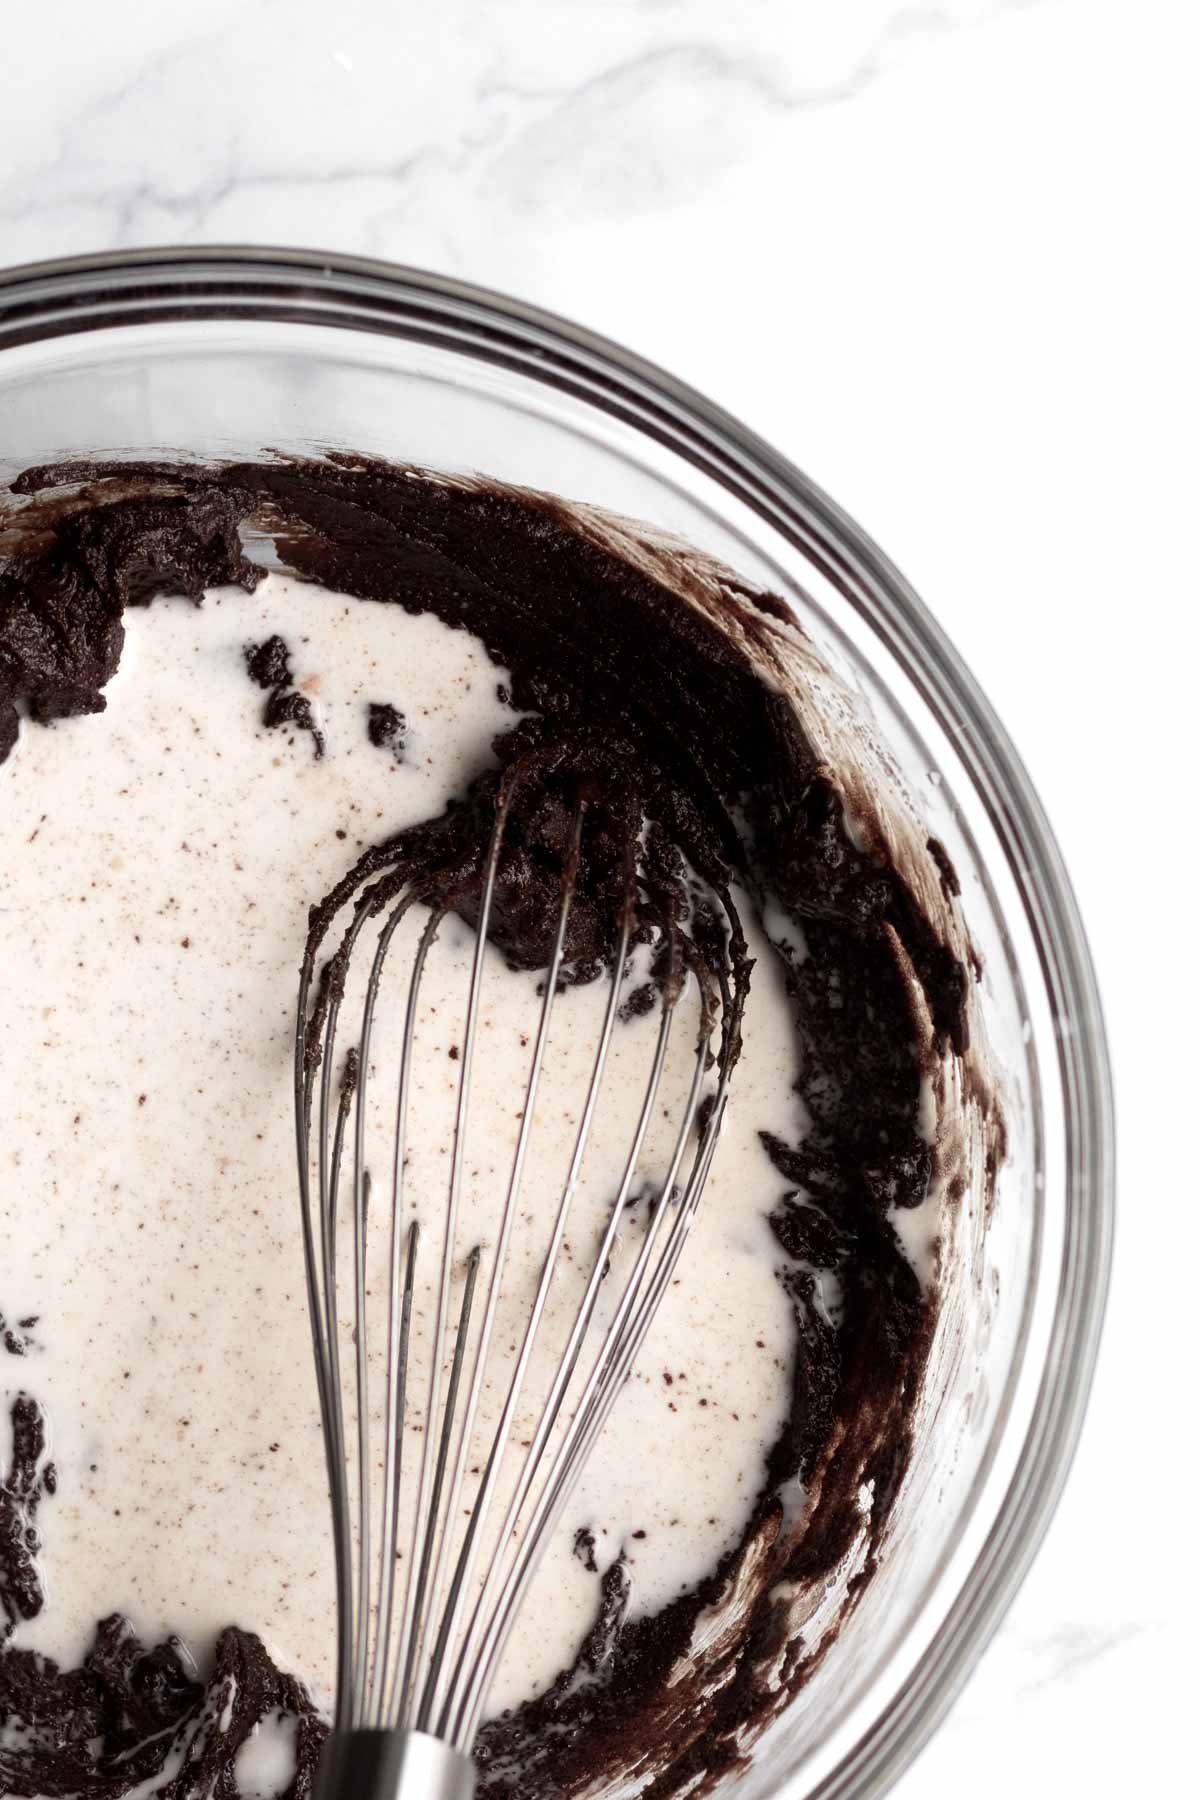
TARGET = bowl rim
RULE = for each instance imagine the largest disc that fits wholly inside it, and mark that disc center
(77, 294)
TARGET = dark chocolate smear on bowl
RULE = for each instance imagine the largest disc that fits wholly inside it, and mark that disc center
(719, 764)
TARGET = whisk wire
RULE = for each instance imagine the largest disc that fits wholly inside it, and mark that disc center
(335, 1421)
(447, 1431)
(328, 1176)
(412, 1626)
(399, 1327)
(397, 1397)
(354, 1643)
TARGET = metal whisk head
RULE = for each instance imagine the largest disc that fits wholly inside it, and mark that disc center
(426, 1311)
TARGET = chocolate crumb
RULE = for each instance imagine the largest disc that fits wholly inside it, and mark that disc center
(269, 666)
(386, 728)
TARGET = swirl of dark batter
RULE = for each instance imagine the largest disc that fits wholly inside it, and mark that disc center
(644, 702)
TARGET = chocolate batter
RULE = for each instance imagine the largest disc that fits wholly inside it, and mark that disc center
(692, 738)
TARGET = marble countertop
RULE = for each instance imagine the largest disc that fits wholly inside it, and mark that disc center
(940, 253)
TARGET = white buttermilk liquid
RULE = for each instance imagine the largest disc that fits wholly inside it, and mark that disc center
(159, 861)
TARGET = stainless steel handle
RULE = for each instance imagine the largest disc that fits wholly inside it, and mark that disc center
(393, 1765)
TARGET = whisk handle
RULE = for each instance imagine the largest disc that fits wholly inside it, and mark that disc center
(393, 1765)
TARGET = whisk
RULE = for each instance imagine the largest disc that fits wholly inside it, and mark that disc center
(422, 1622)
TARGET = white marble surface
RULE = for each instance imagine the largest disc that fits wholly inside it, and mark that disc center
(943, 255)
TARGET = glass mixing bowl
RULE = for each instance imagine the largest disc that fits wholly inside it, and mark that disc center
(214, 353)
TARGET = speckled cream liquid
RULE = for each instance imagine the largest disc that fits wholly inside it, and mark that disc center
(159, 863)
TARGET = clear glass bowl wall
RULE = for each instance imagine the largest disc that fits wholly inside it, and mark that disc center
(215, 354)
